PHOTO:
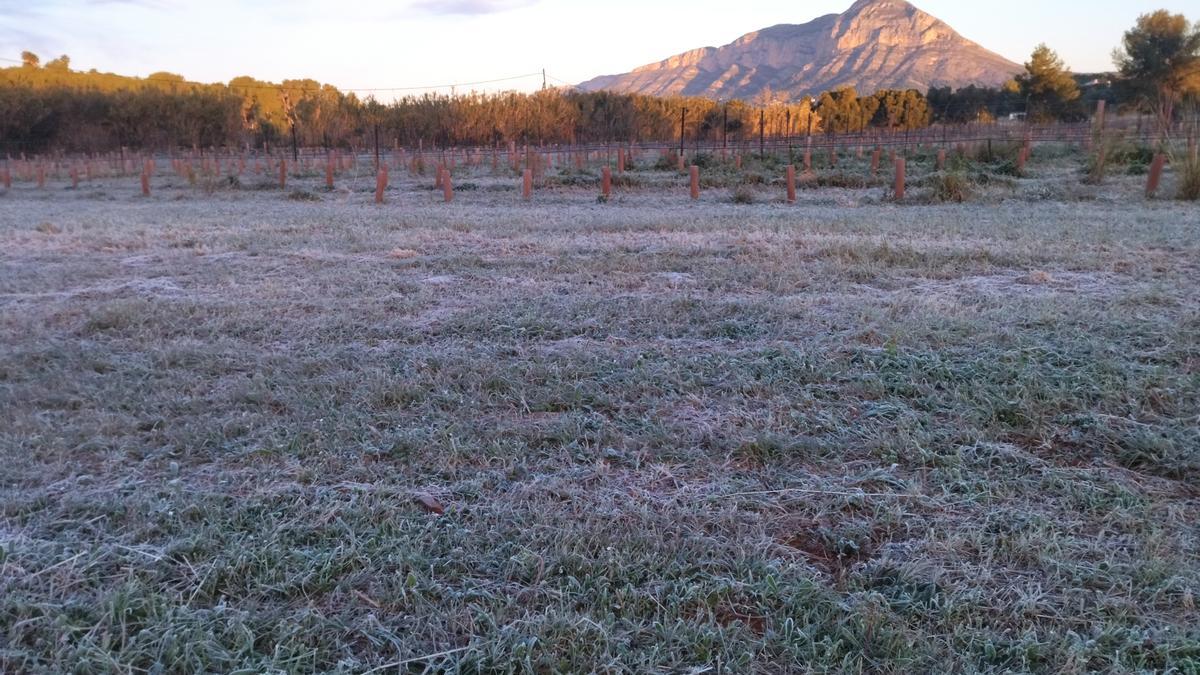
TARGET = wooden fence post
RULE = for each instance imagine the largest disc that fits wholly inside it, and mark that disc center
(447, 186)
(941, 159)
(606, 182)
(791, 183)
(899, 186)
(875, 156)
(695, 175)
(1156, 171)
(329, 172)
(381, 182)
(7, 179)
(146, 179)
(283, 174)
(527, 185)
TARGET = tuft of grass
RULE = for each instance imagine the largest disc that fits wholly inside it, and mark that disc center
(996, 152)
(1007, 168)
(668, 161)
(304, 196)
(704, 160)
(1187, 167)
(844, 180)
(574, 179)
(1114, 151)
(742, 194)
(951, 186)
(1097, 166)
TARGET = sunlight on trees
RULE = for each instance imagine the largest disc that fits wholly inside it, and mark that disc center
(1048, 87)
(1159, 61)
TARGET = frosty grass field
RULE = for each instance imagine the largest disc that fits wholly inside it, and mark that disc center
(666, 436)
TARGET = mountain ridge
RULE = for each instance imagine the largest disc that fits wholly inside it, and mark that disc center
(875, 44)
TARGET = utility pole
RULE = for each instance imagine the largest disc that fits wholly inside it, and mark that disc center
(295, 147)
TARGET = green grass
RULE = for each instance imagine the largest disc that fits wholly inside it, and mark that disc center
(743, 438)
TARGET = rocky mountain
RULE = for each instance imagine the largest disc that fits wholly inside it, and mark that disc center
(876, 44)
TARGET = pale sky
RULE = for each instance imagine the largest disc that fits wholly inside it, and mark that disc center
(417, 43)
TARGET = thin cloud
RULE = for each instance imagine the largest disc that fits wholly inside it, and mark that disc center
(469, 7)
(148, 4)
(55, 27)
(25, 9)
(16, 40)
(18, 10)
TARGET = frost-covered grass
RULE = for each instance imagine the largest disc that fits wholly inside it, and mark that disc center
(845, 435)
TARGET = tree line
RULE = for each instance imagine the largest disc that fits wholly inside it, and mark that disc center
(50, 107)
(1157, 71)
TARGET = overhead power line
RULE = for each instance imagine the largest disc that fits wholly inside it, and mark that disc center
(563, 82)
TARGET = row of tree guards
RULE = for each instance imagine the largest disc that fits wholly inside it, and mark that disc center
(528, 163)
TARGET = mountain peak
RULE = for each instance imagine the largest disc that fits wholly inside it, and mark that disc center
(881, 9)
(861, 5)
(875, 44)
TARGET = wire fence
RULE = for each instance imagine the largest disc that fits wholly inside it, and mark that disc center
(1015, 142)
(944, 136)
